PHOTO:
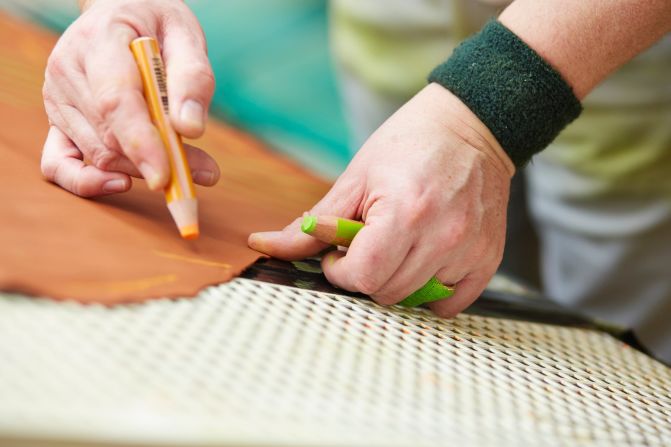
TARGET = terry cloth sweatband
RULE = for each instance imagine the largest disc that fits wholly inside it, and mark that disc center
(523, 101)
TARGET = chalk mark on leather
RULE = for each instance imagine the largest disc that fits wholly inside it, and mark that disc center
(191, 260)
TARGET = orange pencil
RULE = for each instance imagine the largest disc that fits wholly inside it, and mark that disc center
(180, 194)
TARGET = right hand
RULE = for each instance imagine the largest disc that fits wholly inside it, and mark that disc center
(101, 133)
(432, 185)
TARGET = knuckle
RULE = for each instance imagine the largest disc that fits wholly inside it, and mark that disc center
(86, 31)
(108, 138)
(366, 283)
(417, 211)
(125, 21)
(202, 72)
(51, 109)
(454, 234)
(450, 240)
(48, 168)
(443, 312)
(174, 16)
(47, 96)
(56, 65)
(141, 136)
(200, 35)
(108, 101)
(386, 298)
(103, 159)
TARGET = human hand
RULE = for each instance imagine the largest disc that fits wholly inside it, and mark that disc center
(432, 186)
(101, 132)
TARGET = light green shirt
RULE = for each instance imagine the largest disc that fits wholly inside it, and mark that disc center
(622, 142)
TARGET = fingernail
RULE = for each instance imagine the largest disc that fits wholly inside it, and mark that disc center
(117, 185)
(259, 241)
(150, 175)
(255, 241)
(203, 177)
(191, 114)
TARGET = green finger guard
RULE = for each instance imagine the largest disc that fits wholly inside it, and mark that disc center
(347, 229)
(432, 291)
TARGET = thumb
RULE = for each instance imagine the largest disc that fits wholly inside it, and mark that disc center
(291, 243)
(190, 76)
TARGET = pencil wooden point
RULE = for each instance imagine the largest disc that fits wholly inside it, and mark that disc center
(331, 229)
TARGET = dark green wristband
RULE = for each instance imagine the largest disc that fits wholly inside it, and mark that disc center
(520, 97)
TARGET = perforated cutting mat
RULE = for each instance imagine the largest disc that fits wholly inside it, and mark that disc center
(251, 363)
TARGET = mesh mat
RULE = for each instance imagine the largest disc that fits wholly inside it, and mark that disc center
(251, 363)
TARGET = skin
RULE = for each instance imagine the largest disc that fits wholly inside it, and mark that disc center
(588, 40)
(431, 183)
(432, 186)
(433, 201)
(101, 133)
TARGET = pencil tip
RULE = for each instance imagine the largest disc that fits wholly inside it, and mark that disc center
(189, 232)
(185, 214)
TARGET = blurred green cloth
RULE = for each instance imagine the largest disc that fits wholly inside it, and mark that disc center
(273, 68)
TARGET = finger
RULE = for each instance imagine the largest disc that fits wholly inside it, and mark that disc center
(122, 164)
(466, 292)
(204, 169)
(415, 270)
(291, 243)
(190, 76)
(71, 120)
(85, 138)
(117, 90)
(67, 97)
(62, 164)
(373, 257)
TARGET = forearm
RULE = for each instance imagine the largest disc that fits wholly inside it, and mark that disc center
(587, 40)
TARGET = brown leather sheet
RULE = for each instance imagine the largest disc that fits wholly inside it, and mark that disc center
(126, 247)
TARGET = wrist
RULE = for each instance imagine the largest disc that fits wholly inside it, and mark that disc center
(521, 99)
(456, 117)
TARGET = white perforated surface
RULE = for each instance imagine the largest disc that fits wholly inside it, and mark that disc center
(250, 363)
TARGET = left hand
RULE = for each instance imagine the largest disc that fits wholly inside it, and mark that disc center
(101, 134)
(432, 186)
